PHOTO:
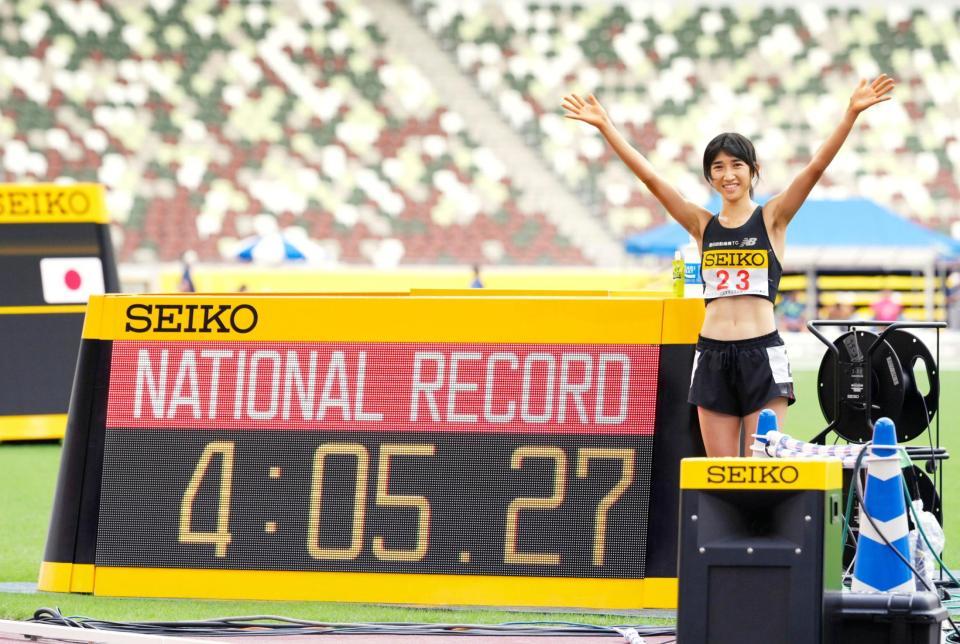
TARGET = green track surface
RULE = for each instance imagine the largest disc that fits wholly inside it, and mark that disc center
(28, 475)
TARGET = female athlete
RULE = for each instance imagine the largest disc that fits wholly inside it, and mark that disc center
(740, 366)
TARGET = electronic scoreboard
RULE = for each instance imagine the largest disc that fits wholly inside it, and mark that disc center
(55, 252)
(495, 450)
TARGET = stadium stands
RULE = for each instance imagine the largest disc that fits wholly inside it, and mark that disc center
(199, 117)
(673, 76)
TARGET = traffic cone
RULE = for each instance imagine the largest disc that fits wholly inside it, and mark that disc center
(767, 422)
(877, 568)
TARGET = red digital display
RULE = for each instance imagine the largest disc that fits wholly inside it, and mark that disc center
(500, 388)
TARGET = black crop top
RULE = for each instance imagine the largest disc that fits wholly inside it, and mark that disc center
(739, 261)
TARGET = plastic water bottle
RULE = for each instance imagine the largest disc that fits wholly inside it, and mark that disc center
(692, 285)
(678, 271)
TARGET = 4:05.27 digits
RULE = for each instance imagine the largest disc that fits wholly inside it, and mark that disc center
(563, 465)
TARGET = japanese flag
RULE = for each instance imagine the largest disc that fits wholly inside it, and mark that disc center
(69, 280)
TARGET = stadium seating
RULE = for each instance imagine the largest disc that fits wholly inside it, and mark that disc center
(201, 117)
(674, 75)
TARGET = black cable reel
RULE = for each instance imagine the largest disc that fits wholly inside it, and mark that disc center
(863, 377)
(842, 384)
(918, 408)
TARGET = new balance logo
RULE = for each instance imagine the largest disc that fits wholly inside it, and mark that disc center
(749, 241)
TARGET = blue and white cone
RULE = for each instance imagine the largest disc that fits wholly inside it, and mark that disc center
(877, 568)
(766, 423)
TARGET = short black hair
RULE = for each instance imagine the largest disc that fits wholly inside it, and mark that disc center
(737, 146)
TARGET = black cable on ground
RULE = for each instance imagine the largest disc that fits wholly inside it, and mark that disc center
(267, 625)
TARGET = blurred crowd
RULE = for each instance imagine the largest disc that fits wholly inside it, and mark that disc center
(792, 313)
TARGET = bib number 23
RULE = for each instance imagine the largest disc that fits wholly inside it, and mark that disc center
(742, 280)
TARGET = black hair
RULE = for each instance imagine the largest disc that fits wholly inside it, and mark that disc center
(737, 146)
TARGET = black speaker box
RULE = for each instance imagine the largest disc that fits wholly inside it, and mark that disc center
(756, 556)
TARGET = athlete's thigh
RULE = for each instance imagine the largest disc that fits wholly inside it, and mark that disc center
(720, 432)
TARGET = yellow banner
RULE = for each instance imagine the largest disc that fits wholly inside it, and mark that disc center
(682, 319)
(43, 309)
(444, 590)
(33, 427)
(391, 318)
(41, 203)
(760, 474)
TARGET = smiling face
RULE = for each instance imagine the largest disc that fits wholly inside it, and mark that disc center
(730, 165)
(730, 176)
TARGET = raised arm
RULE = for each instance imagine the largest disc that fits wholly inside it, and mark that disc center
(688, 214)
(784, 206)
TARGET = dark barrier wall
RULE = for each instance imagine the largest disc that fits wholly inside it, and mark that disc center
(677, 437)
(482, 449)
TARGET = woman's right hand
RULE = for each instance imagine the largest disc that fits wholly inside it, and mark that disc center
(865, 96)
(589, 111)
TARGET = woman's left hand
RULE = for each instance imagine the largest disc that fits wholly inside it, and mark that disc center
(876, 92)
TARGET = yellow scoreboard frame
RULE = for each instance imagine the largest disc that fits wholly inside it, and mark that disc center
(164, 506)
(40, 223)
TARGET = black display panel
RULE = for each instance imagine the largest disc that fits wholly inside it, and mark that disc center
(385, 501)
(39, 367)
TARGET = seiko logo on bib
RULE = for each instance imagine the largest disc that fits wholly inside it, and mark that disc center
(735, 258)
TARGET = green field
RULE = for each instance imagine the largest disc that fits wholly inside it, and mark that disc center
(28, 475)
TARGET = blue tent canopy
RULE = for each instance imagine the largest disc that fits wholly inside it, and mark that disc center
(824, 224)
(285, 251)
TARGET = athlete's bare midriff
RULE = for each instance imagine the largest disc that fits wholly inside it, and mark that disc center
(738, 318)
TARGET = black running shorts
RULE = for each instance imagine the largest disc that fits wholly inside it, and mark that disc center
(739, 377)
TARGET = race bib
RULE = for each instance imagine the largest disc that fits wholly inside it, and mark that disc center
(735, 272)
